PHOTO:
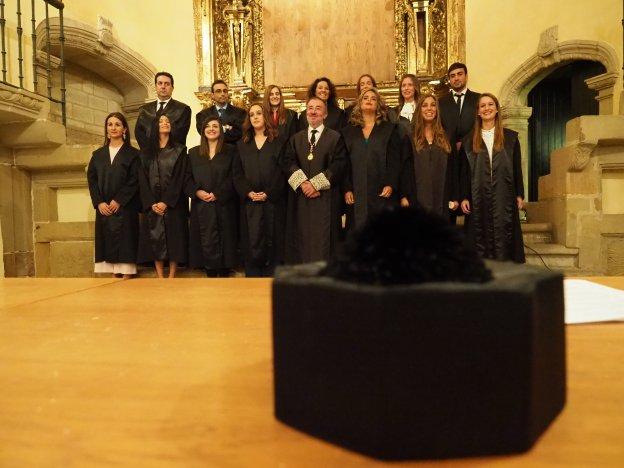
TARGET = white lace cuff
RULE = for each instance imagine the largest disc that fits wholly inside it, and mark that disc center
(320, 182)
(296, 179)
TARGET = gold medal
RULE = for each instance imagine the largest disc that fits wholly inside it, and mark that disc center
(310, 156)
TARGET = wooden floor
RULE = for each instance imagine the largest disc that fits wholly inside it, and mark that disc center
(146, 372)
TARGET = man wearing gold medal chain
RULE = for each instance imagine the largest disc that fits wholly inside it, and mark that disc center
(315, 162)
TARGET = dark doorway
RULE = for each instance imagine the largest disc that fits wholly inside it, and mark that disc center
(561, 96)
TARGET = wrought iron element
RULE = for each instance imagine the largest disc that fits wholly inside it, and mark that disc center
(2, 32)
(33, 37)
(62, 66)
(48, 65)
(20, 58)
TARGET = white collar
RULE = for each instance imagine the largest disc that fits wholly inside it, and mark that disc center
(158, 101)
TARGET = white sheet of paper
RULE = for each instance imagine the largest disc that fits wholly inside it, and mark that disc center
(587, 302)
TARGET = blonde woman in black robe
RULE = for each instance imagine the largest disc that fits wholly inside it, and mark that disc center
(374, 148)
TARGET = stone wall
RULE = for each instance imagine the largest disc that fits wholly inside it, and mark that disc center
(90, 99)
(587, 175)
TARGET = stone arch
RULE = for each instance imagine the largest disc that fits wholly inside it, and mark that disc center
(551, 55)
(98, 51)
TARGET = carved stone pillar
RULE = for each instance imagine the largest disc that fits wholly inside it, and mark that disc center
(517, 118)
(604, 84)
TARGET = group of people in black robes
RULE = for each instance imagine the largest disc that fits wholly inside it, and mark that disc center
(274, 187)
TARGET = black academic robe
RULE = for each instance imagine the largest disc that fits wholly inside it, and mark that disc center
(336, 119)
(162, 178)
(374, 164)
(457, 125)
(313, 225)
(263, 224)
(406, 128)
(179, 115)
(494, 224)
(232, 116)
(431, 179)
(116, 236)
(213, 236)
(289, 127)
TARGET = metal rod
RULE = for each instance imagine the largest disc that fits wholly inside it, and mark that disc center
(62, 41)
(34, 44)
(20, 58)
(623, 42)
(48, 65)
(2, 24)
(58, 4)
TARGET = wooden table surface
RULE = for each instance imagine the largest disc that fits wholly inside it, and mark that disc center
(148, 372)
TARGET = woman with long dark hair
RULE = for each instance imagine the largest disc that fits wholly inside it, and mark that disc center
(323, 89)
(374, 148)
(492, 188)
(213, 235)
(114, 188)
(164, 227)
(282, 118)
(430, 179)
(261, 185)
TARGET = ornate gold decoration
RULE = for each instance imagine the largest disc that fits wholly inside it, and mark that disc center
(446, 38)
(446, 43)
(221, 41)
(439, 46)
(456, 31)
(401, 25)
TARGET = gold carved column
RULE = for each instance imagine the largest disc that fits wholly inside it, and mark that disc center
(429, 36)
(229, 46)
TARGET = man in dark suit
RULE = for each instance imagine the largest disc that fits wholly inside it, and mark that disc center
(179, 114)
(458, 109)
(231, 117)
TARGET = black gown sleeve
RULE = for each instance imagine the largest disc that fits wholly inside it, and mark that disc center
(347, 181)
(171, 196)
(92, 179)
(130, 186)
(182, 127)
(241, 183)
(517, 170)
(393, 160)
(464, 192)
(225, 189)
(452, 176)
(407, 180)
(337, 168)
(275, 191)
(142, 129)
(147, 196)
(290, 163)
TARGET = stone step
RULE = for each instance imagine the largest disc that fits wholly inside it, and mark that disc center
(553, 255)
(534, 233)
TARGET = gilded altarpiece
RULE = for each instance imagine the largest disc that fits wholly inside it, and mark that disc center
(230, 41)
